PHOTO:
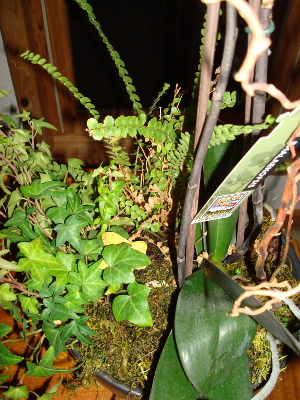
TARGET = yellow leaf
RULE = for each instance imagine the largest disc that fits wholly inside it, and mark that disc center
(103, 265)
(113, 238)
(139, 245)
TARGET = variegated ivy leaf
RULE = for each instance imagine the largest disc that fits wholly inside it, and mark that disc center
(121, 259)
(17, 393)
(89, 278)
(37, 261)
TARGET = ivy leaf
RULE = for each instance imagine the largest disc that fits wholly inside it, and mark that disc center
(6, 295)
(17, 393)
(70, 232)
(121, 259)
(77, 329)
(38, 262)
(37, 188)
(76, 208)
(89, 278)
(54, 337)
(4, 330)
(74, 299)
(28, 304)
(4, 378)
(92, 248)
(7, 358)
(68, 260)
(13, 235)
(58, 214)
(20, 220)
(134, 306)
(45, 368)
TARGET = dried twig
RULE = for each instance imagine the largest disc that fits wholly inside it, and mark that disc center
(258, 45)
(289, 194)
(259, 290)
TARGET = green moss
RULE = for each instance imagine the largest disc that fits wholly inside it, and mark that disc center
(129, 352)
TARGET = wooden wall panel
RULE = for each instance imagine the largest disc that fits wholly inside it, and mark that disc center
(22, 28)
(62, 58)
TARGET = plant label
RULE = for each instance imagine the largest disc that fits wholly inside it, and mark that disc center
(263, 157)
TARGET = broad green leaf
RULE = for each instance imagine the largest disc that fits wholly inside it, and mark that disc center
(4, 378)
(78, 329)
(238, 386)
(28, 304)
(14, 199)
(90, 280)
(170, 381)
(7, 358)
(13, 234)
(92, 248)
(4, 330)
(204, 331)
(58, 311)
(6, 294)
(58, 214)
(37, 261)
(54, 337)
(37, 188)
(74, 298)
(45, 368)
(133, 307)
(121, 259)
(70, 232)
(217, 166)
(68, 260)
(17, 393)
(75, 162)
(18, 217)
(8, 265)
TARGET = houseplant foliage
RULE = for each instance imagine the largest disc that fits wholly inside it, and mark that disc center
(66, 228)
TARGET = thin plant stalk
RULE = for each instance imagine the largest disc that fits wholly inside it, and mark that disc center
(193, 185)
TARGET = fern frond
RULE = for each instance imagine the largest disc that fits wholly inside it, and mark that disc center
(115, 152)
(176, 158)
(115, 57)
(156, 131)
(36, 59)
(222, 133)
(160, 94)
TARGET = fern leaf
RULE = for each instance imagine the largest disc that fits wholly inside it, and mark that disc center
(222, 133)
(115, 57)
(35, 59)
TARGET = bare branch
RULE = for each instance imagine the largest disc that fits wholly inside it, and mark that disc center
(258, 45)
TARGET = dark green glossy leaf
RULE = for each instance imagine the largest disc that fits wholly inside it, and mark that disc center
(54, 337)
(45, 367)
(7, 358)
(238, 386)
(170, 381)
(210, 343)
(4, 330)
(70, 232)
(37, 188)
(134, 307)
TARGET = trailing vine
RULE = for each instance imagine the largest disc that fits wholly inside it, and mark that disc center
(51, 69)
(120, 65)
